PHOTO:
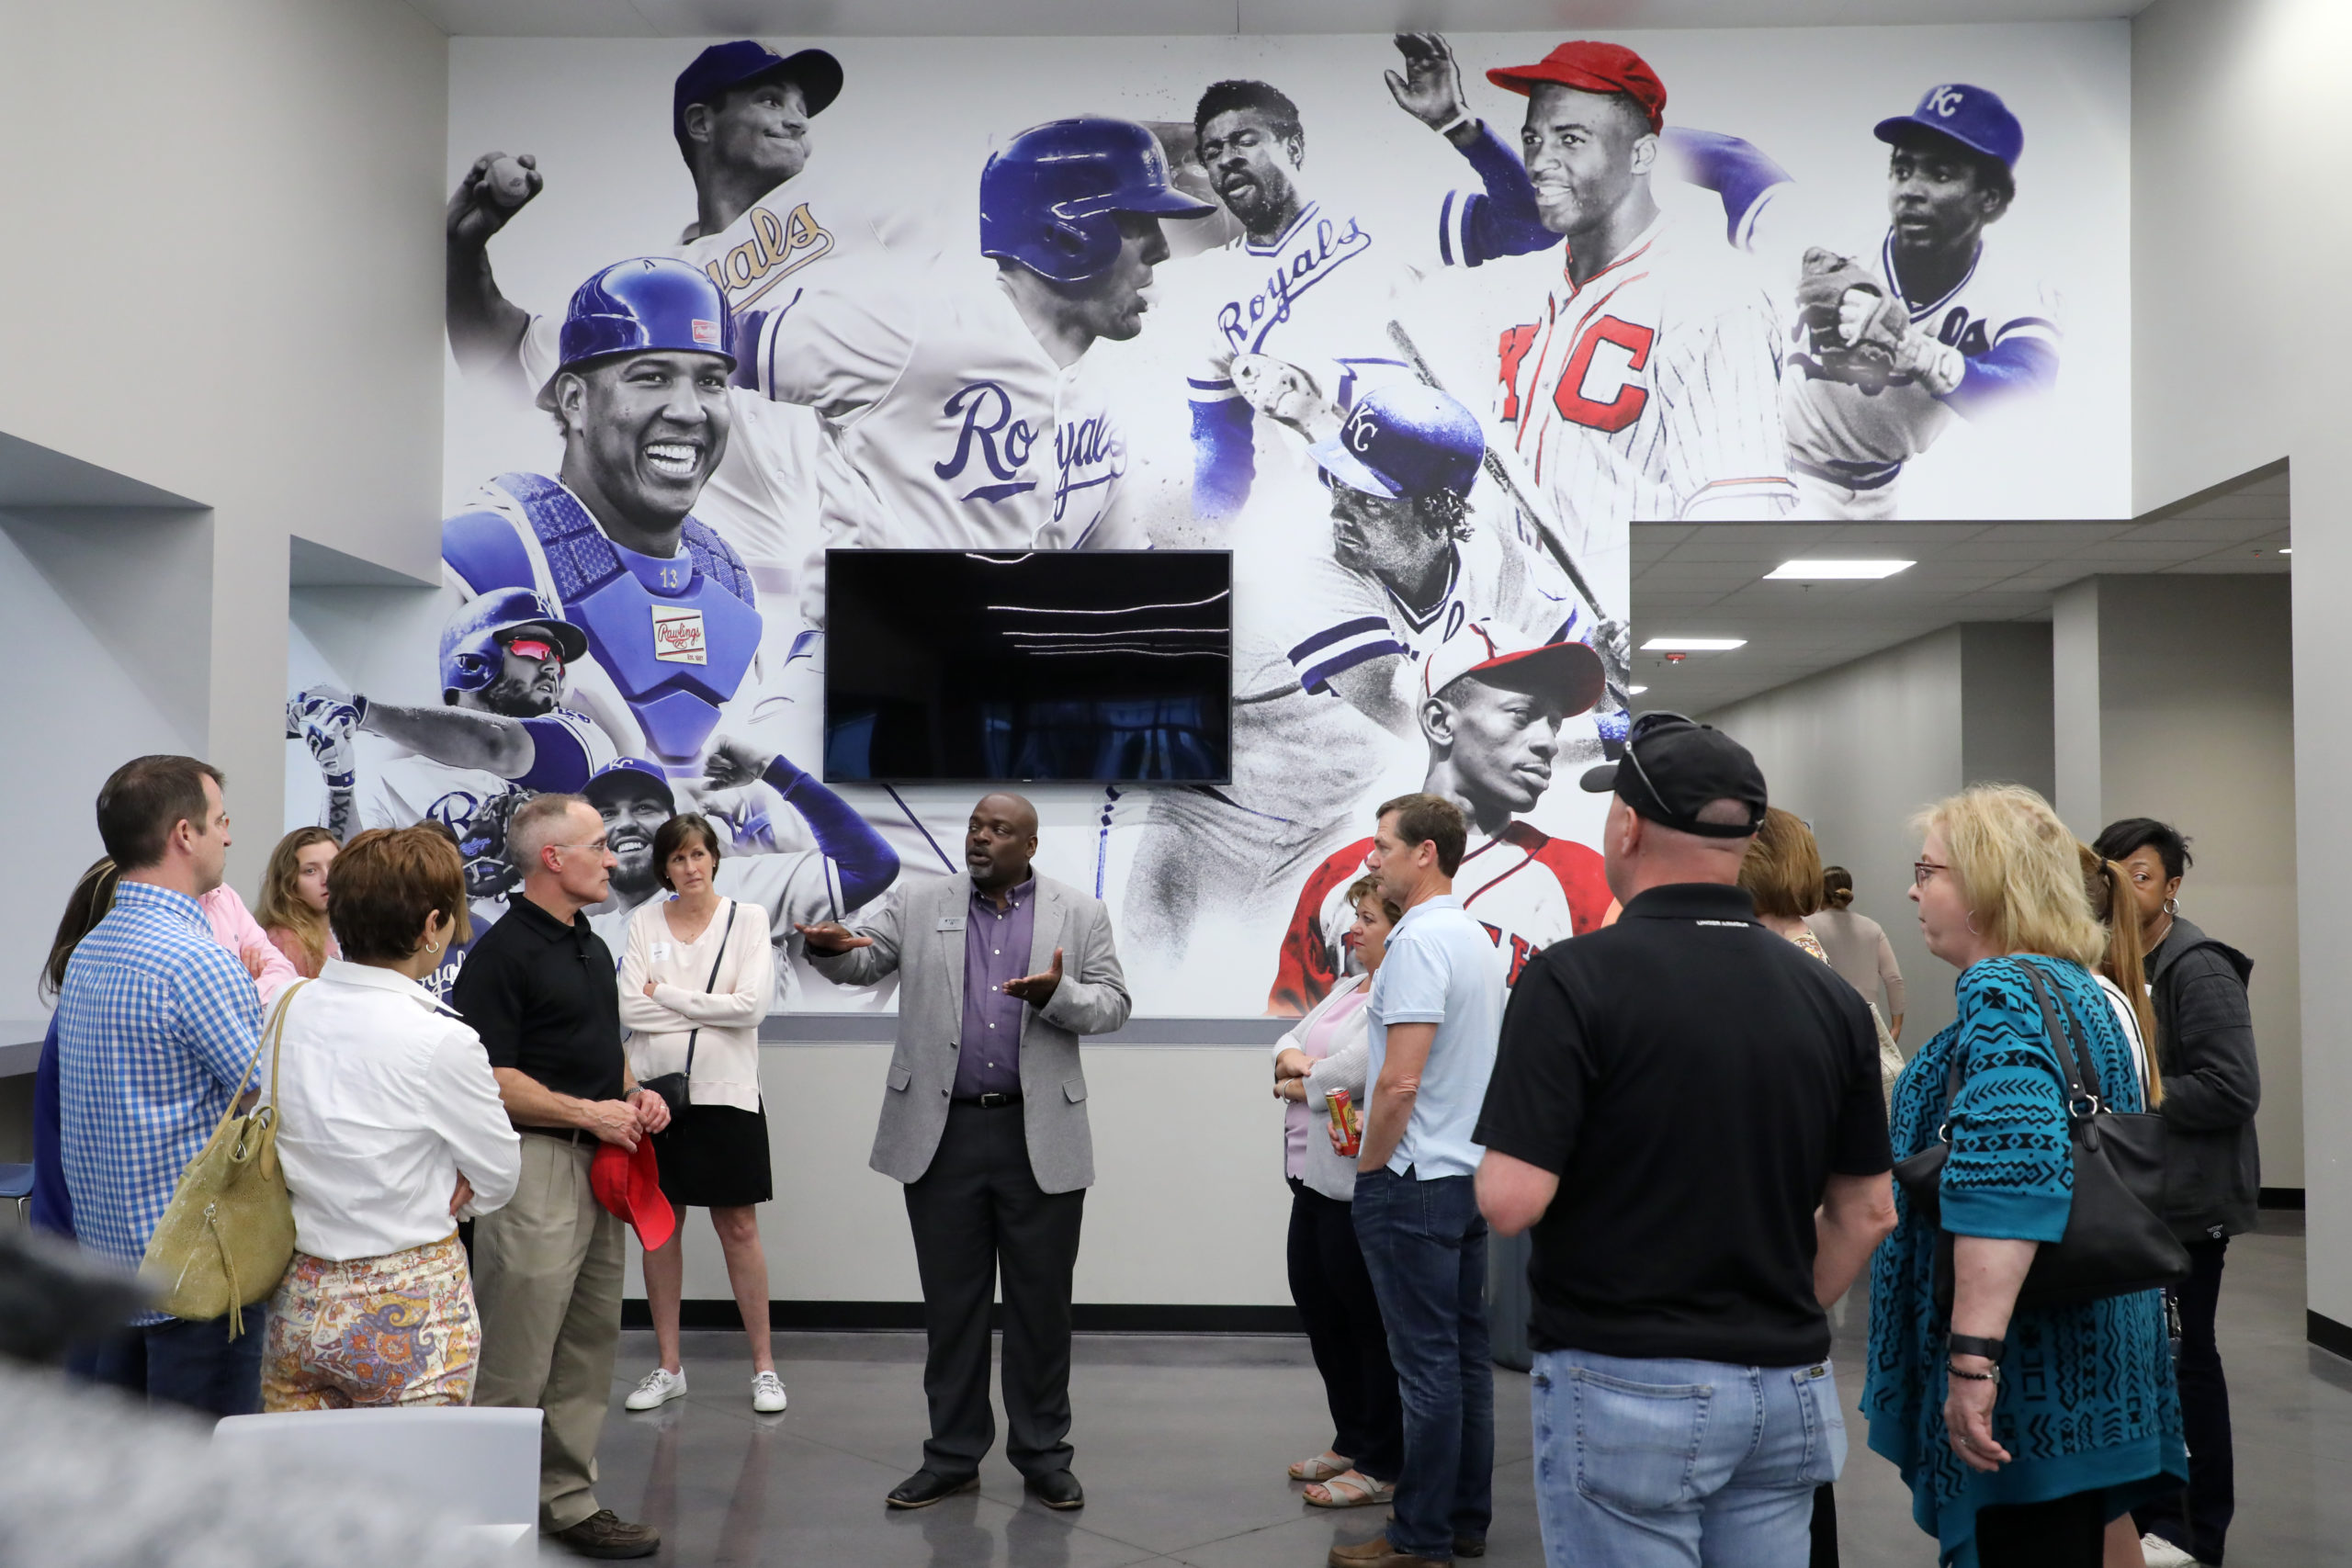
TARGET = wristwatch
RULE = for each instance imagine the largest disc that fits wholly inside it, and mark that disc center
(1971, 1345)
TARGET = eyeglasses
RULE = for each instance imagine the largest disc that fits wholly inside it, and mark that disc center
(1646, 725)
(599, 845)
(1923, 869)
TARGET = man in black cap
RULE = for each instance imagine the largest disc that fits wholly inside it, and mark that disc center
(1686, 1109)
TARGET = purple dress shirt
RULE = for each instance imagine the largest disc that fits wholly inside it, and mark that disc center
(996, 949)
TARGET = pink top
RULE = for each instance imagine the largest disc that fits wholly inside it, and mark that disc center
(234, 928)
(1298, 1121)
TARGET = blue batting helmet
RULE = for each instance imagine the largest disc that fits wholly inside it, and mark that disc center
(1404, 440)
(649, 305)
(473, 645)
(1050, 200)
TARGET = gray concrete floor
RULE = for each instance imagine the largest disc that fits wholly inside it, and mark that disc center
(1181, 1443)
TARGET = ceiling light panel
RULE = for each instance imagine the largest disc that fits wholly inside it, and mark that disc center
(1693, 643)
(1836, 570)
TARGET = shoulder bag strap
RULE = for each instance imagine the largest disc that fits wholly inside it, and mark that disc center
(277, 1034)
(273, 1035)
(2074, 1060)
(707, 984)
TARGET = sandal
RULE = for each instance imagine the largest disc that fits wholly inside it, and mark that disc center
(1353, 1490)
(1322, 1467)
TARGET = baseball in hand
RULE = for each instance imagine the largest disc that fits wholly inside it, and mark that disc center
(509, 183)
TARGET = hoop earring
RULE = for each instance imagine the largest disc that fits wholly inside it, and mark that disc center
(431, 947)
(1971, 924)
(2172, 906)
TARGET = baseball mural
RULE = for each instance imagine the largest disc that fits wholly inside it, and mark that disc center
(1409, 334)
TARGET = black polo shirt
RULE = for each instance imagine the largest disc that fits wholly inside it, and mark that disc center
(1693, 1079)
(543, 998)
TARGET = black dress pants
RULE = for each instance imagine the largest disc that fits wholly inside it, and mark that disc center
(2198, 1520)
(1333, 1289)
(978, 1216)
(2064, 1532)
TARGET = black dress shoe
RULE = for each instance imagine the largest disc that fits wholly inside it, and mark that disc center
(922, 1489)
(1469, 1546)
(605, 1535)
(1057, 1489)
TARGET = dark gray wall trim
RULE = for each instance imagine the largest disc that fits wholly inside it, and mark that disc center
(1099, 1318)
(873, 1028)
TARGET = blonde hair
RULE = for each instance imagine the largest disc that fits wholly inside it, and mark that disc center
(2017, 869)
(1781, 870)
(2109, 887)
(281, 908)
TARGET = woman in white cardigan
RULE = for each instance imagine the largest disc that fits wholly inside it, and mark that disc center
(1326, 1051)
(695, 979)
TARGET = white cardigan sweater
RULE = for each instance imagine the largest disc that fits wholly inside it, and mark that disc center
(727, 1053)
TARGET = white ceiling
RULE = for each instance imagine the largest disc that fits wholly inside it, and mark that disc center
(783, 19)
(1706, 581)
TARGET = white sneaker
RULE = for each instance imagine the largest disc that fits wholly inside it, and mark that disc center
(2161, 1553)
(767, 1394)
(660, 1387)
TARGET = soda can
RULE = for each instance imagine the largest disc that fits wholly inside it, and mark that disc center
(1345, 1117)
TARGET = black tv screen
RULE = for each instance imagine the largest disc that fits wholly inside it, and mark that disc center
(961, 666)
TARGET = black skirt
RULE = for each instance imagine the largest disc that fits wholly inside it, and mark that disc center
(714, 1156)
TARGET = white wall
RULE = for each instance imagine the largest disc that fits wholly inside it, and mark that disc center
(95, 621)
(2238, 108)
(224, 279)
(2199, 731)
(1856, 752)
(1188, 1207)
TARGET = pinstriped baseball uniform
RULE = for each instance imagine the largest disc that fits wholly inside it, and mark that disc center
(1652, 392)
(960, 429)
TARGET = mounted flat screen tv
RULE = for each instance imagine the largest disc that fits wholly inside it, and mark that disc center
(1000, 666)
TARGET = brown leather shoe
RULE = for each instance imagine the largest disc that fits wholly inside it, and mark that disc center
(604, 1534)
(1377, 1554)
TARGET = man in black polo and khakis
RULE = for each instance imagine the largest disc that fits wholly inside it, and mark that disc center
(1686, 1109)
(539, 990)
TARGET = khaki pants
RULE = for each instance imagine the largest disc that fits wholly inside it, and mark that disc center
(548, 1275)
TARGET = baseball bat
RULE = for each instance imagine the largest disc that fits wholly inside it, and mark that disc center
(1500, 472)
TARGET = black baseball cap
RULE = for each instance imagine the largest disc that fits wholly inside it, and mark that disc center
(1674, 766)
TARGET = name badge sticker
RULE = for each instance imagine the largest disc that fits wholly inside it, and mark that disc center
(950, 923)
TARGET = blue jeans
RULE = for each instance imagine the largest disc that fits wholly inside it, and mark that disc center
(182, 1362)
(1681, 1464)
(1425, 1247)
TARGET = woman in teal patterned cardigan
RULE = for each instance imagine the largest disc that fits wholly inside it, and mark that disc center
(2023, 1459)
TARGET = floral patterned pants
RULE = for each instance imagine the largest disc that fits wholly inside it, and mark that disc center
(400, 1329)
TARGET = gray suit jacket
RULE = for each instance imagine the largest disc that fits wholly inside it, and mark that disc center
(920, 936)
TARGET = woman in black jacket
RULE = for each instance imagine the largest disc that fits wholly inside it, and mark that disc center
(2205, 1048)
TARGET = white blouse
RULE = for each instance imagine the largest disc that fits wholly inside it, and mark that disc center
(727, 1011)
(384, 1095)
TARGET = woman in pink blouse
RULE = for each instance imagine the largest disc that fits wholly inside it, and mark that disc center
(1326, 1051)
(294, 899)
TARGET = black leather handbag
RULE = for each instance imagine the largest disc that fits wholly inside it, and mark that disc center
(675, 1088)
(2115, 1241)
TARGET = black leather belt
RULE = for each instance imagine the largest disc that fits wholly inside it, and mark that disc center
(573, 1135)
(990, 1101)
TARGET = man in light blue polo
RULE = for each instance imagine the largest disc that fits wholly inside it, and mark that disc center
(1435, 1014)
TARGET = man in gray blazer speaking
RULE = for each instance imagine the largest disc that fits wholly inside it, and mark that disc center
(1000, 971)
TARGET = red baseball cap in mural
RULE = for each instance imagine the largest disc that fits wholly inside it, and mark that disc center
(1590, 66)
(1502, 657)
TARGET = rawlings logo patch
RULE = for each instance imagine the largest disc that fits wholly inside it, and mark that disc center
(678, 635)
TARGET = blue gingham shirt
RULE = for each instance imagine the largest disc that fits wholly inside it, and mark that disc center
(155, 1025)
